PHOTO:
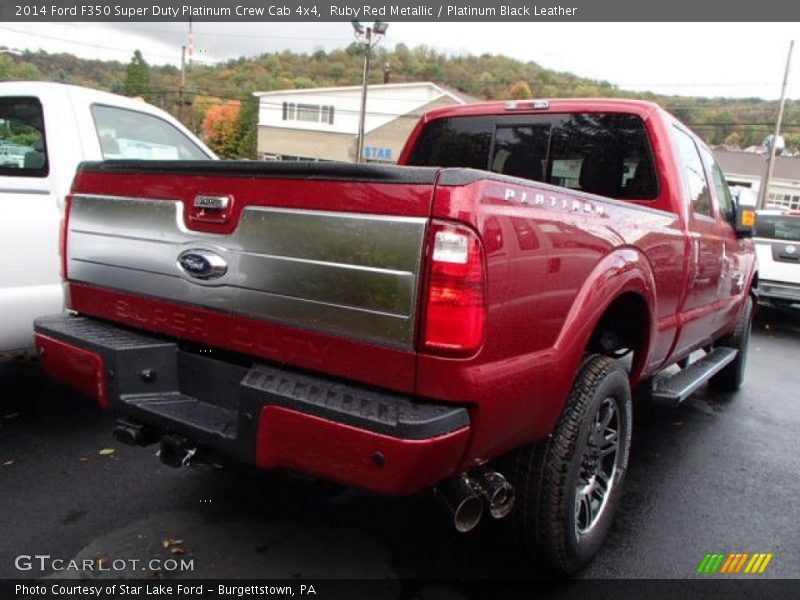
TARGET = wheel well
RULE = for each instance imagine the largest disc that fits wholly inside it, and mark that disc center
(623, 328)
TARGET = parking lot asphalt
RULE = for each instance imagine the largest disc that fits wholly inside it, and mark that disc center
(717, 474)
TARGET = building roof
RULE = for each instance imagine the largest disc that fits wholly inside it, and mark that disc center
(443, 90)
(751, 164)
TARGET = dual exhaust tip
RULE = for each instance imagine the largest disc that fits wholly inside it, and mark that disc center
(466, 495)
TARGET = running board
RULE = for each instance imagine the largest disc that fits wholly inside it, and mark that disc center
(674, 389)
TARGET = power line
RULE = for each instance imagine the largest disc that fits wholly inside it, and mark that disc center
(97, 46)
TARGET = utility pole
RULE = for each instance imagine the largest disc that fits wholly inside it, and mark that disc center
(365, 36)
(182, 89)
(764, 191)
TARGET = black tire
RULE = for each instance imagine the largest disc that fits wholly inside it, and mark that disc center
(550, 509)
(731, 378)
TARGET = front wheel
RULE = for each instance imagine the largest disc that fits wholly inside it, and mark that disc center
(570, 484)
(731, 377)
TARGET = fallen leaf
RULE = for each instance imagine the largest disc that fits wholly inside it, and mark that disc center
(83, 459)
(106, 451)
(678, 423)
(10, 416)
(101, 561)
(165, 543)
(177, 550)
(8, 463)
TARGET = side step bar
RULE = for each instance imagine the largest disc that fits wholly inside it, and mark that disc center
(674, 389)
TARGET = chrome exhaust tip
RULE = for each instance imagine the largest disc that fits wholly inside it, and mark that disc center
(462, 502)
(498, 494)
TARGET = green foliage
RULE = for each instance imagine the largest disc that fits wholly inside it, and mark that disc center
(246, 129)
(11, 69)
(137, 77)
(485, 77)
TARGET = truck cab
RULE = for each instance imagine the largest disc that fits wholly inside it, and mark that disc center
(46, 130)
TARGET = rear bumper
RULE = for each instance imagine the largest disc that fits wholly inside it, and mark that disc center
(778, 290)
(260, 414)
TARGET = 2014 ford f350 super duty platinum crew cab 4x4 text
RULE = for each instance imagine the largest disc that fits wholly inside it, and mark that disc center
(473, 320)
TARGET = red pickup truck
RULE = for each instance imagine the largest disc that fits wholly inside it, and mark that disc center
(473, 320)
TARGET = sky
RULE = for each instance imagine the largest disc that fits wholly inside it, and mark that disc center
(695, 59)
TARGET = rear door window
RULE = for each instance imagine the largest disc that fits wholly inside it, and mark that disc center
(23, 151)
(600, 153)
(130, 134)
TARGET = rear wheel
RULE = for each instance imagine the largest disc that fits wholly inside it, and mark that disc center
(731, 377)
(569, 485)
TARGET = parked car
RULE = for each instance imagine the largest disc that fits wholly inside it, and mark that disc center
(474, 320)
(46, 129)
(777, 239)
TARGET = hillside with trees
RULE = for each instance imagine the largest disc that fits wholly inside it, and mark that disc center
(218, 101)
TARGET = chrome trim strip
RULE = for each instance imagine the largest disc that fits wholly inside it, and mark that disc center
(351, 274)
(29, 192)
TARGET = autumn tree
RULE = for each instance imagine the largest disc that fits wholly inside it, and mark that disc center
(519, 90)
(219, 128)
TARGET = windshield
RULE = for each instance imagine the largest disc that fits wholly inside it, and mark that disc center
(778, 227)
(600, 153)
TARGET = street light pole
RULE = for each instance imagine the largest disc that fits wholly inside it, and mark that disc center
(764, 191)
(366, 37)
(364, 82)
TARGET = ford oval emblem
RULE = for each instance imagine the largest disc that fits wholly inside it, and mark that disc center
(202, 264)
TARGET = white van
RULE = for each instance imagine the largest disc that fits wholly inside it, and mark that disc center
(46, 129)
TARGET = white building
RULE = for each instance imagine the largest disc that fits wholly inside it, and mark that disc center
(745, 169)
(322, 123)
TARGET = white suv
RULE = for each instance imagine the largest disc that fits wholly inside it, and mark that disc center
(777, 238)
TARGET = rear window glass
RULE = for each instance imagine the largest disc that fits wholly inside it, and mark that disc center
(23, 151)
(606, 154)
(778, 227)
(135, 135)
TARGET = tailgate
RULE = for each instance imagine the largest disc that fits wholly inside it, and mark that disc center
(330, 249)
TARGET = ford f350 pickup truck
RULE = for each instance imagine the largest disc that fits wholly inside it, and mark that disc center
(473, 320)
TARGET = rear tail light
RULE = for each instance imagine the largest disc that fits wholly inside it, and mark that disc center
(456, 302)
(62, 237)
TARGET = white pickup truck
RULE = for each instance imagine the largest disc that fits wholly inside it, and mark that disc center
(46, 129)
(777, 239)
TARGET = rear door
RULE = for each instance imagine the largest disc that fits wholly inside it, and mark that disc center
(29, 217)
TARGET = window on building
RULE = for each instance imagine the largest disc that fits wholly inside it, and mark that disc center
(699, 196)
(312, 113)
(23, 151)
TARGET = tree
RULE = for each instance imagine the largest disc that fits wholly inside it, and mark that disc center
(519, 91)
(246, 129)
(219, 128)
(137, 77)
(734, 139)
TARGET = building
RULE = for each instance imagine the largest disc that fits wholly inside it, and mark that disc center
(322, 123)
(746, 169)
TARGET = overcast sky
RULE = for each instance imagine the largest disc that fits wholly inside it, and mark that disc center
(701, 59)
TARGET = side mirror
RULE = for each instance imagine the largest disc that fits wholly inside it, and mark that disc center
(744, 223)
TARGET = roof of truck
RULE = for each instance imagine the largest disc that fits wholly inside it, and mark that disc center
(556, 105)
